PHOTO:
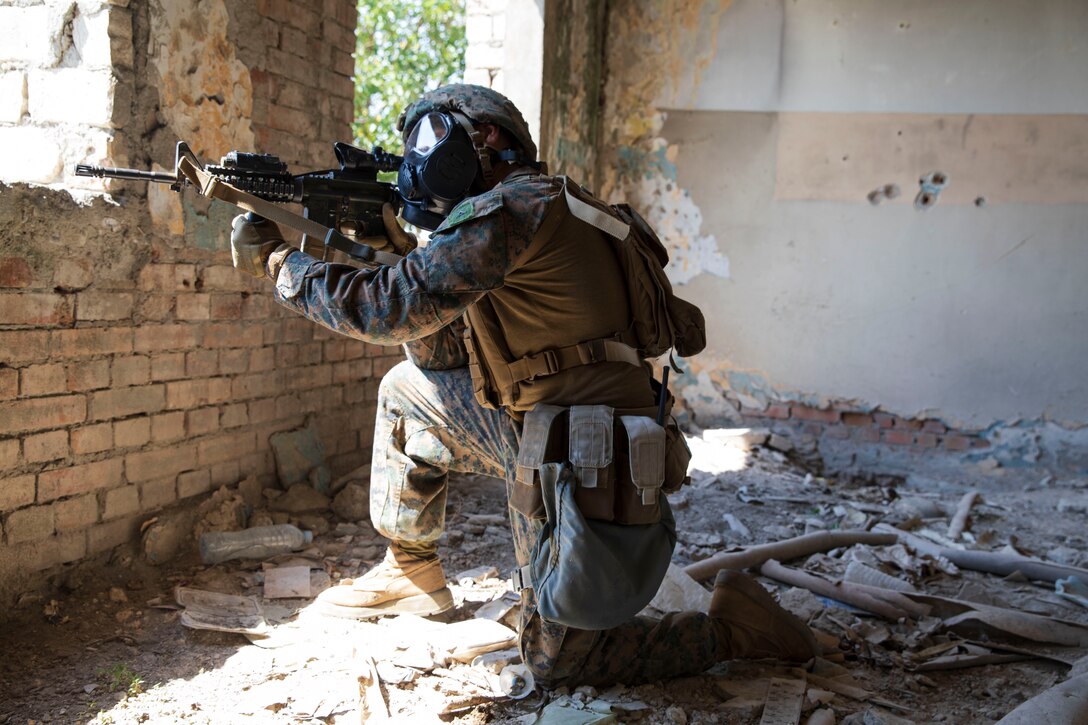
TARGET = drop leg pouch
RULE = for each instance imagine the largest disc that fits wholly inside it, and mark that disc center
(593, 574)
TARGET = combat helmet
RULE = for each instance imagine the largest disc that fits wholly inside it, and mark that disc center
(479, 104)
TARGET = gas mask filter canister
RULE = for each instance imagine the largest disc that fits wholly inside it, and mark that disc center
(439, 167)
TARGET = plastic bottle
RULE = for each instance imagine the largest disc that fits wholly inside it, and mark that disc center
(259, 542)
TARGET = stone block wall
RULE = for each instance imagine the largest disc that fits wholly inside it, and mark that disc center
(485, 31)
(138, 369)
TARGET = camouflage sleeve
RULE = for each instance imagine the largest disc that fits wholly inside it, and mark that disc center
(468, 256)
(442, 350)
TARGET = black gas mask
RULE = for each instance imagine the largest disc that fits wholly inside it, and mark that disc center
(440, 164)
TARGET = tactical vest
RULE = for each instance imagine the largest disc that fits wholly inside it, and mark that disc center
(559, 329)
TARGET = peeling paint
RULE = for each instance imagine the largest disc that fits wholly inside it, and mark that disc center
(638, 164)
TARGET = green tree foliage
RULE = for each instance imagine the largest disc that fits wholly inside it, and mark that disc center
(404, 49)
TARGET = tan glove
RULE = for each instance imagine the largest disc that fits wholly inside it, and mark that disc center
(252, 243)
(396, 240)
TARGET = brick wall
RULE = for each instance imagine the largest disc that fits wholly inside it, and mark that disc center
(138, 369)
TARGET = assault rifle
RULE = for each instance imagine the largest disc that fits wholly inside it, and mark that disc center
(340, 205)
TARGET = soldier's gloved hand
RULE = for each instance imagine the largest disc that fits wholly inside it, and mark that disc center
(252, 243)
(396, 239)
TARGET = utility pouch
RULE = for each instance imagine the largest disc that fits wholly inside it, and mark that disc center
(619, 463)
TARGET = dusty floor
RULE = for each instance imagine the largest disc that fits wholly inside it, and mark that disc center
(107, 648)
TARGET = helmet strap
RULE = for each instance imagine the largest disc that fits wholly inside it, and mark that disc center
(483, 153)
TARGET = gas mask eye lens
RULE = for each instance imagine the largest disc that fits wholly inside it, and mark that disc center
(430, 130)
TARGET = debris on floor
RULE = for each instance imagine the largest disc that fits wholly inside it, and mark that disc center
(933, 605)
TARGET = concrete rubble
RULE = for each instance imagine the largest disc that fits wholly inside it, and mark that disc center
(897, 603)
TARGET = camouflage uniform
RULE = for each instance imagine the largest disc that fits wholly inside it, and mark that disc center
(430, 424)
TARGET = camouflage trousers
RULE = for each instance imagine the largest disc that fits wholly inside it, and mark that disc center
(429, 424)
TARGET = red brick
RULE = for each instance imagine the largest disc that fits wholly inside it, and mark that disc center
(132, 433)
(201, 363)
(232, 334)
(904, 424)
(23, 346)
(225, 447)
(314, 376)
(92, 438)
(193, 483)
(76, 513)
(259, 307)
(88, 375)
(233, 362)
(227, 279)
(926, 440)
(149, 465)
(261, 411)
(233, 416)
(155, 308)
(979, 443)
(934, 426)
(35, 308)
(121, 502)
(167, 427)
(297, 329)
(123, 402)
(38, 380)
(130, 370)
(262, 359)
(91, 341)
(804, 412)
(9, 383)
(158, 338)
(73, 274)
(257, 386)
(104, 305)
(193, 307)
(382, 365)
(884, 420)
(45, 447)
(105, 536)
(226, 307)
(15, 272)
(79, 479)
(898, 437)
(857, 419)
(30, 524)
(9, 454)
(158, 493)
(16, 491)
(168, 278)
(225, 474)
(45, 553)
(294, 41)
(41, 413)
(168, 366)
(957, 442)
(202, 421)
(186, 394)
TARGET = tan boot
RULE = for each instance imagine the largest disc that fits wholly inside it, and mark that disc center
(400, 584)
(756, 626)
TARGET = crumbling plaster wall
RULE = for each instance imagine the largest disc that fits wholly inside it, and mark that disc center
(752, 133)
(138, 369)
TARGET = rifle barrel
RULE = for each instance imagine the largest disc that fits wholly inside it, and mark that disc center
(162, 177)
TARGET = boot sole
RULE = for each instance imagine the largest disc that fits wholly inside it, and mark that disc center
(422, 605)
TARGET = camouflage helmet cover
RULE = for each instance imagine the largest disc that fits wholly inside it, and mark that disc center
(481, 104)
